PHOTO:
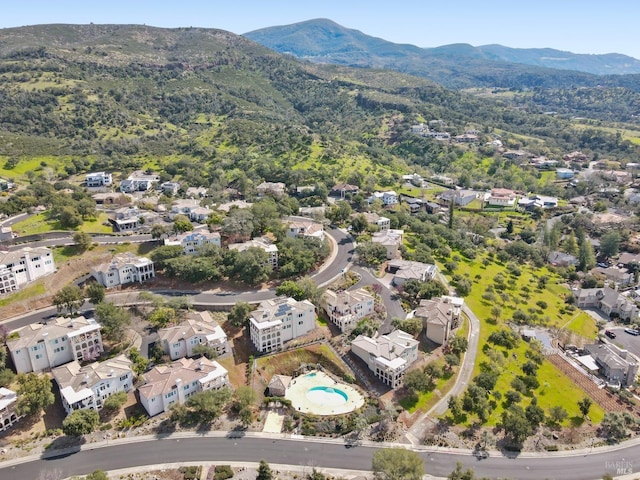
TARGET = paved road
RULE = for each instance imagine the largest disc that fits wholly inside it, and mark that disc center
(389, 297)
(625, 340)
(319, 453)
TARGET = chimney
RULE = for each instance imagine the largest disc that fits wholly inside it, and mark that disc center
(111, 372)
(201, 365)
(85, 379)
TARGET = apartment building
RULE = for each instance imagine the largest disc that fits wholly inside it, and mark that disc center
(89, 386)
(387, 356)
(37, 347)
(8, 415)
(124, 268)
(19, 267)
(166, 385)
(345, 309)
(279, 320)
(198, 328)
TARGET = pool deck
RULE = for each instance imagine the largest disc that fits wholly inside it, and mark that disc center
(297, 393)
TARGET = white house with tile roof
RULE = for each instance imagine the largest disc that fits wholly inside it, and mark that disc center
(165, 385)
(37, 347)
(345, 309)
(124, 268)
(198, 328)
(84, 387)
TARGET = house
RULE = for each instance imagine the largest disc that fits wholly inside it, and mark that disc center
(414, 204)
(383, 223)
(303, 228)
(109, 198)
(278, 385)
(391, 239)
(225, 207)
(6, 233)
(279, 320)
(404, 270)
(564, 173)
(608, 301)
(440, 316)
(387, 198)
(517, 156)
(341, 190)
(621, 277)
(196, 192)
(575, 157)
(126, 219)
(277, 189)
(461, 198)
(263, 243)
(345, 309)
(8, 415)
(561, 259)
(501, 197)
(387, 356)
(138, 181)
(170, 188)
(84, 387)
(37, 347)
(124, 268)
(192, 242)
(627, 258)
(539, 201)
(198, 328)
(413, 179)
(165, 385)
(616, 365)
(466, 138)
(98, 179)
(190, 208)
(20, 267)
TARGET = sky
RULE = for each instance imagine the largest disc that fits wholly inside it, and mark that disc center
(579, 26)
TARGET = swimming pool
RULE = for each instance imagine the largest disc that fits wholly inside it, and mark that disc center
(330, 396)
(318, 393)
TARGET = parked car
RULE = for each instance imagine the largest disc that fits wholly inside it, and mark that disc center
(610, 334)
(631, 331)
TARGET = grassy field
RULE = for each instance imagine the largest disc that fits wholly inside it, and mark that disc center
(33, 164)
(522, 293)
(40, 223)
(27, 293)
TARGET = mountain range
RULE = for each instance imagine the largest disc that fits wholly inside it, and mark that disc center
(454, 66)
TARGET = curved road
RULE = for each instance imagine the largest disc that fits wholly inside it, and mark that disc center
(311, 452)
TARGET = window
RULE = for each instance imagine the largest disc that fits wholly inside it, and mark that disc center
(38, 356)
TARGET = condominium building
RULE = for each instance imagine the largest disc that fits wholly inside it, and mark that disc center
(166, 385)
(19, 267)
(263, 243)
(387, 356)
(8, 415)
(346, 308)
(198, 328)
(37, 347)
(89, 386)
(192, 242)
(124, 268)
(280, 320)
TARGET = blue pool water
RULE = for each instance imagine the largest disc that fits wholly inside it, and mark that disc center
(310, 375)
(331, 392)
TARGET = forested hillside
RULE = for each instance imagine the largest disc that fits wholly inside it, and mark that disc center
(214, 107)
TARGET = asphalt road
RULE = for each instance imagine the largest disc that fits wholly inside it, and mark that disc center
(391, 302)
(625, 340)
(317, 453)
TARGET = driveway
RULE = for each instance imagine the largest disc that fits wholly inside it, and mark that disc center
(625, 340)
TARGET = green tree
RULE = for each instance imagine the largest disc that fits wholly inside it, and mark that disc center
(205, 350)
(289, 288)
(610, 243)
(6, 377)
(244, 402)
(239, 314)
(557, 415)
(238, 224)
(95, 292)
(252, 266)
(586, 257)
(114, 321)
(584, 405)
(534, 413)
(515, 424)
(68, 298)
(34, 394)
(460, 474)
(82, 240)
(397, 464)
(139, 362)
(370, 253)
(570, 246)
(163, 254)
(69, 217)
(81, 422)
(264, 471)
(158, 230)
(181, 224)
(209, 405)
(359, 223)
(97, 475)
(115, 401)
(162, 316)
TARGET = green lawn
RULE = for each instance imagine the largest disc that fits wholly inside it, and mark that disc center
(40, 223)
(555, 388)
(27, 293)
(33, 164)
